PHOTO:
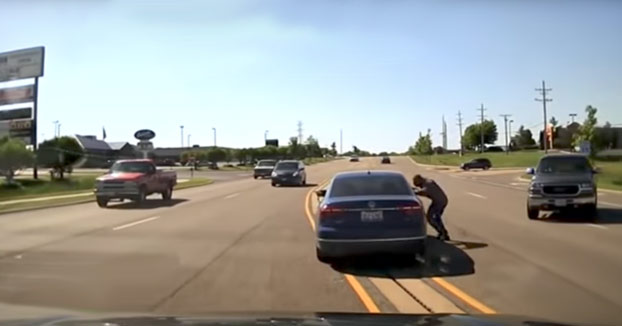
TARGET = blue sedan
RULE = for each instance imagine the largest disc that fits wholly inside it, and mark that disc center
(369, 212)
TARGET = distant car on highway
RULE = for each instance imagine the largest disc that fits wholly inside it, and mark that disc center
(289, 172)
(264, 168)
(369, 212)
(478, 163)
(134, 180)
(562, 182)
(354, 158)
(385, 160)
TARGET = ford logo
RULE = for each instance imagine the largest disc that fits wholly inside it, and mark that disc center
(144, 134)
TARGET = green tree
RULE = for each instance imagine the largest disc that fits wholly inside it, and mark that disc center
(472, 137)
(296, 150)
(553, 121)
(523, 138)
(312, 147)
(423, 146)
(356, 150)
(242, 155)
(59, 154)
(333, 149)
(587, 131)
(216, 155)
(13, 156)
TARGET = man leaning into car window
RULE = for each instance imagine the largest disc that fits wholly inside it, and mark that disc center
(429, 188)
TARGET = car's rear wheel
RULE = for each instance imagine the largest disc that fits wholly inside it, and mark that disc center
(322, 257)
(168, 193)
(533, 213)
(486, 167)
(102, 202)
(274, 184)
(255, 177)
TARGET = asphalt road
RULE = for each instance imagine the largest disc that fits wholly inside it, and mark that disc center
(244, 246)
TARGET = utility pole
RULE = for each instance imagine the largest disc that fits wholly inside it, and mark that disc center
(55, 128)
(444, 133)
(265, 136)
(214, 129)
(505, 121)
(460, 126)
(189, 140)
(572, 116)
(481, 127)
(544, 99)
(182, 136)
(340, 141)
(299, 132)
(510, 130)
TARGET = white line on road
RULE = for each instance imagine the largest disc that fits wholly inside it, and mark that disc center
(476, 195)
(597, 226)
(609, 204)
(124, 226)
(232, 195)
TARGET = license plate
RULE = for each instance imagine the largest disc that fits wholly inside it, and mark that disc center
(560, 202)
(371, 216)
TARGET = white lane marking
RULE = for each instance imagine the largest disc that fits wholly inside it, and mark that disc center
(476, 195)
(232, 195)
(609, 204)
(124, 226)
(597, 226)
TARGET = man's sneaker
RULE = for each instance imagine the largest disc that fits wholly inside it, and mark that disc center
(443, 237)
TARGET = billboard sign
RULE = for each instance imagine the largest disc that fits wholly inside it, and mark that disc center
(18, 94)
(21, 129)
(20, 64)
(272, 142)
(13, 114)
(144, 134)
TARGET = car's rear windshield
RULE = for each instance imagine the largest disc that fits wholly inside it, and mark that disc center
(266, 163)
(141, 167)
(552, 165)
(286, 166)
(370, 185)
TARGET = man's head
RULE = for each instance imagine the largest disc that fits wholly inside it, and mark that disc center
(418, 180)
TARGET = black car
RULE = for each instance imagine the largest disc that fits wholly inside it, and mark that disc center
(385, 160)
(478, 163)
(264, 168)
(289, 173)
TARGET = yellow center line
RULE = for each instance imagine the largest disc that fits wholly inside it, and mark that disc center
(463, 296)
(352, 281)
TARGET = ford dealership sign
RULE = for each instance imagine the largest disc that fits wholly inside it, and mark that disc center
(144, 134)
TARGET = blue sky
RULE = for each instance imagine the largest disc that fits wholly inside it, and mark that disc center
(382, 71)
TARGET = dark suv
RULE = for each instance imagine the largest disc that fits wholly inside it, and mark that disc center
(289, 173)
(478, 163)
(562, 182)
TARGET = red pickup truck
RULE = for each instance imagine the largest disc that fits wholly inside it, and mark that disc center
(134, 180)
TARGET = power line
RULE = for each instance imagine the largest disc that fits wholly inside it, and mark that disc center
(505, 121)
(481, 127)
(460, 126)
(544, 99)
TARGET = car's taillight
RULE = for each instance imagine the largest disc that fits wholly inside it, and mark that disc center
(409, 209)
(329, 211)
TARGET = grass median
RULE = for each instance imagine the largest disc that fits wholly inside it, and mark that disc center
(610, 176)
(63, 197)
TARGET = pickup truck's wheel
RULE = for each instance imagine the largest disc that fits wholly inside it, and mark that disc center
(255, 177)
(168, 193)
(142, 195)
(533, 213)
(589, 212)
(102, 202)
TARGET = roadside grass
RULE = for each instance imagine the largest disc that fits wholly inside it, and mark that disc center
(30, 188)
(235, 168)
(520, 159)
(315, 160)
(54, 202)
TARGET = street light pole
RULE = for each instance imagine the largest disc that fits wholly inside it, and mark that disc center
(55, 128)
(265, 136)
(188, 143)
(182, 136)
(214, 129)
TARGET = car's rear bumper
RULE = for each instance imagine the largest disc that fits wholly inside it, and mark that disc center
(354, 247)
(287, 180)
(117, 194)
(262, 173)
(559, 202)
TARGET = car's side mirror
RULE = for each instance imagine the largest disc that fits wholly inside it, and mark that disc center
(320, 193)
(530, 171)
(302, 168)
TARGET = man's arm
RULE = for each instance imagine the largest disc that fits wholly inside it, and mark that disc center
(421, 192)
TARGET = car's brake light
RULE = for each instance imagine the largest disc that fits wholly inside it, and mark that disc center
(410, 208)
(328, 211)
